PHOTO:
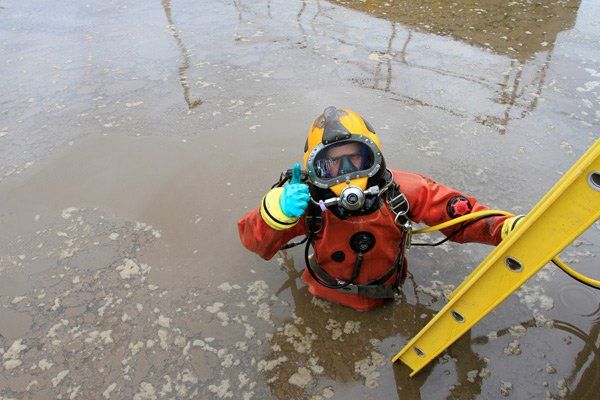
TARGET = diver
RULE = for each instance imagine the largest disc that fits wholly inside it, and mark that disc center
(356, 214)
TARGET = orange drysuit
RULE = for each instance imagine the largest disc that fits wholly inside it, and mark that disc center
(429, 202)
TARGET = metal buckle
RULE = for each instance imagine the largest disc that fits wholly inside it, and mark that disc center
(317, 223)
(398, 204)
(353, 289)
(407, 228)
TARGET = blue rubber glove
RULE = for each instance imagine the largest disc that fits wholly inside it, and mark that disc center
(295, 197)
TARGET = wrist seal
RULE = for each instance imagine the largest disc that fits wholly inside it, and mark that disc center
(271, 213)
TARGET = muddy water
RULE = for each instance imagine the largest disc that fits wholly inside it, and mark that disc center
(133, 136)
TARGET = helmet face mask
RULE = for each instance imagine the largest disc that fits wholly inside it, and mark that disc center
(342, 150)
(344, 161)
(344, 158)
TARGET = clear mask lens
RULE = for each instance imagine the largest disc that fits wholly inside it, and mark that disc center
(342, 159)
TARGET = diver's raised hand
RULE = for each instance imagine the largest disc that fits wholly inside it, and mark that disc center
(295, 196)
(282, 207)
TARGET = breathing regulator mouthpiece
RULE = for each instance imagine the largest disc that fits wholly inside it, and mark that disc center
(352, 198)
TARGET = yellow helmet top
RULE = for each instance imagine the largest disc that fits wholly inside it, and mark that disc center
(335, 128)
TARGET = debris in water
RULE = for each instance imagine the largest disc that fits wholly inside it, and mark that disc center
(162, 335)
(109, 389)
(226, 287)
(517, 331)
(224, 317)
(164, 321)
(322, 304)
(134, 104)
(484, 373)
(264, 365)
(215, 308)
(44, 364)
(52, 331)
(513, 348)
(563, 390)
(335, 328)
(505, 388)
(301, 377)
(18, 299)
(128, 269)
(351, 327)
(222, 391)
(368, 368)
(257, 291)
(59, 377)
(146, 392)
(67, 212)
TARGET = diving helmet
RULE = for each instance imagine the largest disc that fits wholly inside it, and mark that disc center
(342, 151)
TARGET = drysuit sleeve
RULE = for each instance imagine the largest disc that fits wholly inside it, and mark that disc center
(433, 203)
(257, 236)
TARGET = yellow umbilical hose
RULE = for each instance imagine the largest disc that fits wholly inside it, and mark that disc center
(464, 218)
(576, 275)
(557, 261)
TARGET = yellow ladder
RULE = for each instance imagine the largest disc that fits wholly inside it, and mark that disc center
(566, 211)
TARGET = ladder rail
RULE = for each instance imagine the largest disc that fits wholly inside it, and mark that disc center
(566, 211)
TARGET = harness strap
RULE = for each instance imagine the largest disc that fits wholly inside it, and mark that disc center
(321, 276)
(373, 289)
(330, 279)
(398, 203)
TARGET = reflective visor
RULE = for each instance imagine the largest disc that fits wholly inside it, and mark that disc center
(343, 158)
